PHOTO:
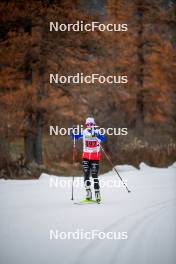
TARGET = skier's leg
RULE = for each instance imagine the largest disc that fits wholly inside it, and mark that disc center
(86, 171)
(87, 182)
(95, 169)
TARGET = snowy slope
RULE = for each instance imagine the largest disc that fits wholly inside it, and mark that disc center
(30, 209)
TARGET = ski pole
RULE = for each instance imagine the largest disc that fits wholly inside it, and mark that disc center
(110, 161)
(73, 160)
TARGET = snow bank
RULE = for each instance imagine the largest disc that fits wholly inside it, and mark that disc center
(125, 168)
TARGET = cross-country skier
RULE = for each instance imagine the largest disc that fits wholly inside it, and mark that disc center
(90, 156)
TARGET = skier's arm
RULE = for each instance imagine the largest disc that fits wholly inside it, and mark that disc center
(100, 136)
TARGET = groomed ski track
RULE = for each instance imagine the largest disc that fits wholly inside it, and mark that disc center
(30, 209)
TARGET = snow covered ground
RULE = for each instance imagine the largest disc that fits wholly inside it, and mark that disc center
(32, 212)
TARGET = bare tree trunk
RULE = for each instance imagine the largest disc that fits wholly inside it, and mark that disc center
(28, 140)
(38, 138)
(38, 82)
(140, 74)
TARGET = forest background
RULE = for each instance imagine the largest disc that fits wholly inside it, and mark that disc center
(29, 104)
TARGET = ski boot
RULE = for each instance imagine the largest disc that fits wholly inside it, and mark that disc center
(97, 196)
(88, 194)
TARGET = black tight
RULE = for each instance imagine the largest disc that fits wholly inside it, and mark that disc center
(93, 166)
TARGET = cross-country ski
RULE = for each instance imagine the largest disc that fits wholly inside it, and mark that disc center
(86, 201)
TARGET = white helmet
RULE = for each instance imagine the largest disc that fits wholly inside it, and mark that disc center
(90, 120)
